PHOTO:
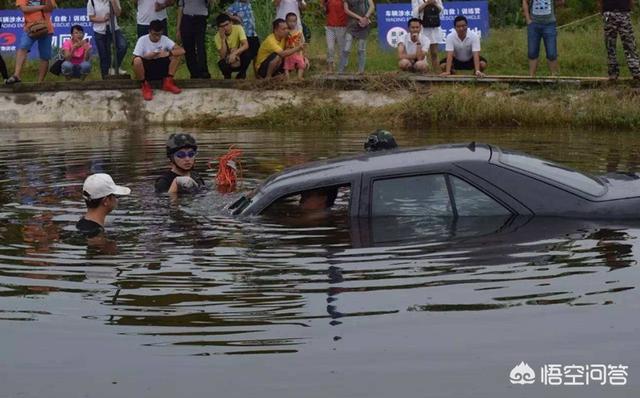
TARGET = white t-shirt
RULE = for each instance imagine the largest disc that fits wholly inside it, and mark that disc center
(147, 12)
(287, 6)
(101, 9)
(462, 49)
(145, 45)
(415, 4)
(411, 48)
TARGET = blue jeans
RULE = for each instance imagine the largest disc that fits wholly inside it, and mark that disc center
(546, 32)
(103, 43)
(71, 70)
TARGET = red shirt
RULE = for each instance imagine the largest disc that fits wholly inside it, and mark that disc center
(335, 13)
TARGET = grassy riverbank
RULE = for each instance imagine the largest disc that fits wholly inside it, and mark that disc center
(581, 49)
(463, 106)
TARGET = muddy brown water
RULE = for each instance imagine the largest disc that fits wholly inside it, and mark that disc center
(186, 301)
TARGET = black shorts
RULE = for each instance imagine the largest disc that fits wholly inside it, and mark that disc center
(264, 66)
(460, 65)
(156, 69)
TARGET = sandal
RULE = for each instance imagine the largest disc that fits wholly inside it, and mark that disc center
(12, 80)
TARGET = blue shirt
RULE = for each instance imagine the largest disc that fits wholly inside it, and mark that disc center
(244, 11)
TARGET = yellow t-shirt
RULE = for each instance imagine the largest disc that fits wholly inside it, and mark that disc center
(268, 46)
(234, 39)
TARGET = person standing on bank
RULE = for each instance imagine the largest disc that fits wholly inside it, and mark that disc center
(100, 195)
(335, 30)
(358, 26)
(428, 11)
(242, 13)
(191, 31)
(181, 178)
(541, 25)
(37, 29)
(156, 57)
(152, 10)
(99, 12)
(233, 48)
(617, 21)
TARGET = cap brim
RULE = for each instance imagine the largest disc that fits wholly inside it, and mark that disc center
(121, 191)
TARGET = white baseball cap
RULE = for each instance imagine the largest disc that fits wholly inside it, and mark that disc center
(99, 185)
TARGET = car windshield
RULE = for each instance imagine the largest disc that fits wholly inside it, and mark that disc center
(552, 171)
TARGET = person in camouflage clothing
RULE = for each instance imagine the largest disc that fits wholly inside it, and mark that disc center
(617, 21)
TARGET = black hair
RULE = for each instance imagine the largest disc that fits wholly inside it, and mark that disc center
(277, 23)
(330, 192)
(156, 26)
(460, 18)
(414, 20)
(222, 18)
(92, 203)
(290, 14)
(77, 27)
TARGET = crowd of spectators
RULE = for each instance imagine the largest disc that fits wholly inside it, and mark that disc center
(348, 23)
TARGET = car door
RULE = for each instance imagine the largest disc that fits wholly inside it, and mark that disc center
(436, 193)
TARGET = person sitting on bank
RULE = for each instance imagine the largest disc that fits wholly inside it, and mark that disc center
(271, 55)
(181, 178)
(156, 57)
(233, 48)
(412, 51)
(463, 50)
(77, 53)
(100, 195)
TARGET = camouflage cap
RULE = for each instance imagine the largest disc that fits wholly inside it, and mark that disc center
(179, 141)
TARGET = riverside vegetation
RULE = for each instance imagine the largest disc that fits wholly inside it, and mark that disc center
(580, 46)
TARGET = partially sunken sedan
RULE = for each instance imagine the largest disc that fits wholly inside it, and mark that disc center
(456, 180)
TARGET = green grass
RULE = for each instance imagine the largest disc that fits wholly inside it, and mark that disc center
(581, 53)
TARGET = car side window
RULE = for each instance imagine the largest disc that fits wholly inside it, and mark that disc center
(470, 201)
(422, 195)
(323, 201)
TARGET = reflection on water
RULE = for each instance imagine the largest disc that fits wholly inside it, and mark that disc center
(182, 274)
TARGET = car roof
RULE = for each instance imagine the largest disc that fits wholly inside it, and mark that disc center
(341, 169)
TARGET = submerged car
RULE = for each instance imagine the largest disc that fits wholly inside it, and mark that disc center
(448, 181)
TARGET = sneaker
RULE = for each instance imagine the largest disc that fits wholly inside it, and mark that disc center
(169, 85)
(147, 91)
(112, 72)
(13, 80)
(122, 71)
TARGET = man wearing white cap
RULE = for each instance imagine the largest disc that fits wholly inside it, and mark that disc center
(100, 195)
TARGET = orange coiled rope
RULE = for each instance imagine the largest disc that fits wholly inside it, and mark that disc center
(229, 170)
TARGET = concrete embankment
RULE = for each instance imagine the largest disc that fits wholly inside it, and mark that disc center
(409, 101)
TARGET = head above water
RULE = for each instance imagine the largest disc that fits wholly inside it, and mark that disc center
(100, 186)
(380, 140)
(178, 141)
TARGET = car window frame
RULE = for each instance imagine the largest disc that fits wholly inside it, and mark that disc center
(353, 196)
(447, 176)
